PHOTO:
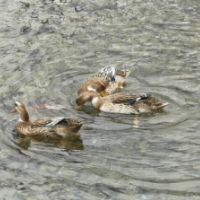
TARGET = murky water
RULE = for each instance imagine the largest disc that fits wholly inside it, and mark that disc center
(48, 48)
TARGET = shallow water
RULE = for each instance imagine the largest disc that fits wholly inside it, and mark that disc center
(48, 48)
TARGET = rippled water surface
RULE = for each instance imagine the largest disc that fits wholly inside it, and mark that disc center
(48, 48)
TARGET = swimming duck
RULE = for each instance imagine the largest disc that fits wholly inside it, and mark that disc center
(97, 84)
(121, 103)
(106, 81)
(45, 126)
(115, 75)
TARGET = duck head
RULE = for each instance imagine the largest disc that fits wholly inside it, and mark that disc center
(21, 108)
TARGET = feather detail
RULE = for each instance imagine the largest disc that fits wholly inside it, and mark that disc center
(107, 71)
(117, 78)
(55, 121)
(119, 103)
(118, 108)
(45, 126)
(97, 84)
(122, 73)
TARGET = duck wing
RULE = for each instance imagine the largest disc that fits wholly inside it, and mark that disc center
(55, 121)
(66, 126)
(40, 122)
(122, 97)
(148, 103)
(51, 127)
(97, 84)
(70, 124)
(33, 129)
(107, 71)
(152, 101)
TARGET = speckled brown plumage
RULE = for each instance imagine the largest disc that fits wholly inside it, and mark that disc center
(105, 104)
(121, 97)
(45, 126)
(119, 76)
(119, 103)
(96, 83)
(122, 73)
(149, 103)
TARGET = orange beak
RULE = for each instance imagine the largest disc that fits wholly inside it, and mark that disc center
(14, 110)
(103, 93)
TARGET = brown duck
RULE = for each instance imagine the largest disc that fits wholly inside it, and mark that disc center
(121, 103)
(45, 126)
(97, 84)
(106, 81)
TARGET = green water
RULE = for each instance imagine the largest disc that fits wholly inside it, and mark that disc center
(48, 48)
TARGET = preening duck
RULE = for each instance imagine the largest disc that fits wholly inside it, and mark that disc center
(106, 81)
(115, 75)
(97, 84)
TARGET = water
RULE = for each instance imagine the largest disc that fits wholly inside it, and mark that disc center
(48, 48)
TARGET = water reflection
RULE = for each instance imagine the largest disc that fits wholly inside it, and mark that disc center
(73, 142)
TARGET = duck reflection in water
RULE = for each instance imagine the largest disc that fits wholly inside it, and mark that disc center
(72, 142)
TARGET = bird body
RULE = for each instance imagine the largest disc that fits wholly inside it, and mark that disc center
(121, 103)
(45, 126)
(106, 81)
(97, 84)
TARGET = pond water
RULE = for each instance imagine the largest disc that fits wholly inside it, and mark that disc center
(48, 48)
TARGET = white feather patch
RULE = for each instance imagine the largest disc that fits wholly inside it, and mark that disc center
(109, 71)
(95, 100)
(91, 89)
(142, 110)
(18, 103)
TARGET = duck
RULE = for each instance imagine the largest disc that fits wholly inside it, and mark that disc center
(117, 77)
(105, 82)
(59, 126)
(120, 76)
(121, 102)
(97, 84)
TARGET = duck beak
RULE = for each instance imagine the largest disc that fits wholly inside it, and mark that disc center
(14, 110)
(103, 93)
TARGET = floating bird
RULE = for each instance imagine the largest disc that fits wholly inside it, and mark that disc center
(106, 81)
(44, 127)
(114, 74)
(97, 84)
(121, 103)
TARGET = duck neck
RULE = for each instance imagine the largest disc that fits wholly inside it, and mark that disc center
(24, 116)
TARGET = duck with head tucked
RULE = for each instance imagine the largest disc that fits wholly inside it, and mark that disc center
(121, 103)
(106, 81)
(115, 75)
(44, 127)
(97, 84)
